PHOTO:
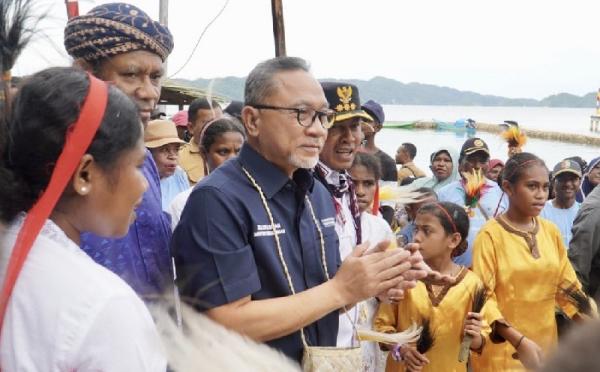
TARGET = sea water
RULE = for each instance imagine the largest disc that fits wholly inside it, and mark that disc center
(570, 120)
(555, 119)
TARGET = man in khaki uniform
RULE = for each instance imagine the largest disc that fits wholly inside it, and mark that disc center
(201, 111)
(405, 156)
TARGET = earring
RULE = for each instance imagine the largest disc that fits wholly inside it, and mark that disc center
(83, 189)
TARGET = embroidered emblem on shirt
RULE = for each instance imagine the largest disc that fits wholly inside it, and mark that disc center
(267, 230)
(328, 222)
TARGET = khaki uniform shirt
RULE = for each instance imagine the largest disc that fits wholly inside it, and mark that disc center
(192, 162)
(409, 170)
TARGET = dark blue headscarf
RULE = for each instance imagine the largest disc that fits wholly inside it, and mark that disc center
(586, 185)
(111, 29)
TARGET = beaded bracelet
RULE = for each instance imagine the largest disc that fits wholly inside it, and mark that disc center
(519, 343)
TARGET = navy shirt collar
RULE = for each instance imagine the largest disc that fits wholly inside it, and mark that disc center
(270, 178)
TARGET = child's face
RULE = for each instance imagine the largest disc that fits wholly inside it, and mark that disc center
(433, 240)
(365, 183)
(529, 194)
(226, 146)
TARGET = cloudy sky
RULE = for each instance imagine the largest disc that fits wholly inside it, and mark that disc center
(514, 48)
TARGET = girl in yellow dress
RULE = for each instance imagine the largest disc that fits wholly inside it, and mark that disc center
(441, 231)
(523, 262)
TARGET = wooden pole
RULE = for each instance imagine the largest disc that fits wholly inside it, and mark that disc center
(72, 8)
(278, 28)
(163, 18)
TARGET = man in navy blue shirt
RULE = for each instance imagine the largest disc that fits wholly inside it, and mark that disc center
(256, 246)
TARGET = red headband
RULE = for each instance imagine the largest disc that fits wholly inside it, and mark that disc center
(441, 207)
(79, 136)
(203, 131)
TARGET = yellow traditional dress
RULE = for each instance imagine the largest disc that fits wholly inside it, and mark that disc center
(524, 271)
(446, 313)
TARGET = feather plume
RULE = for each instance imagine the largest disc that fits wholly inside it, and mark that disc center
(395, 194)
(426, 339)
(16, 29)
(578, 298)
(477, 303)
(475, 187)
(206, 345)
(411, 334)
(514, 136)
(15, 16)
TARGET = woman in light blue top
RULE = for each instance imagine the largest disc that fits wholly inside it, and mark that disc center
(444, 166)
(490, 202)
(163, 142)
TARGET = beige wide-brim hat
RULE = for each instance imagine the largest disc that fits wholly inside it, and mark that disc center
(159, 133)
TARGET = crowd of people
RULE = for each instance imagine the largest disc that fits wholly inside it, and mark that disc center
(265, 216)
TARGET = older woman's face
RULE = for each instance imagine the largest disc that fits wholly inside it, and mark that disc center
(166, 157)
(441, 166)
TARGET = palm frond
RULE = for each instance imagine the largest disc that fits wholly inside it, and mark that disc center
(577, 298)
(395, 194)
(479, 299)
(202, 344)
(477, 303)
(411, 334)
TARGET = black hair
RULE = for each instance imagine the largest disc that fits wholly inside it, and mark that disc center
(407, 181)
(235, 109)
(201, 104)
(260, 83)
(15, 81)
(44, 109)
(216, 128)
(459, 219)
(427, 191)
(371, 162)
(410, 149)
(517, 164)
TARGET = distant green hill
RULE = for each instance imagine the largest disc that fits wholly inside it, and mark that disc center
(389, 91)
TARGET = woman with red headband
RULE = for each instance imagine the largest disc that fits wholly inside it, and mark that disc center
(71, 165)
(446, 313)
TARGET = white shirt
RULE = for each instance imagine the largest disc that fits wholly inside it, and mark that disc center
(563, 218)
(176, 207)
(344, 227)
(374, 230)
(67, 313)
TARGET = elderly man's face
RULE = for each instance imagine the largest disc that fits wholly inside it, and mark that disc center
(138, 74)
(277, 133)
(342, 142)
